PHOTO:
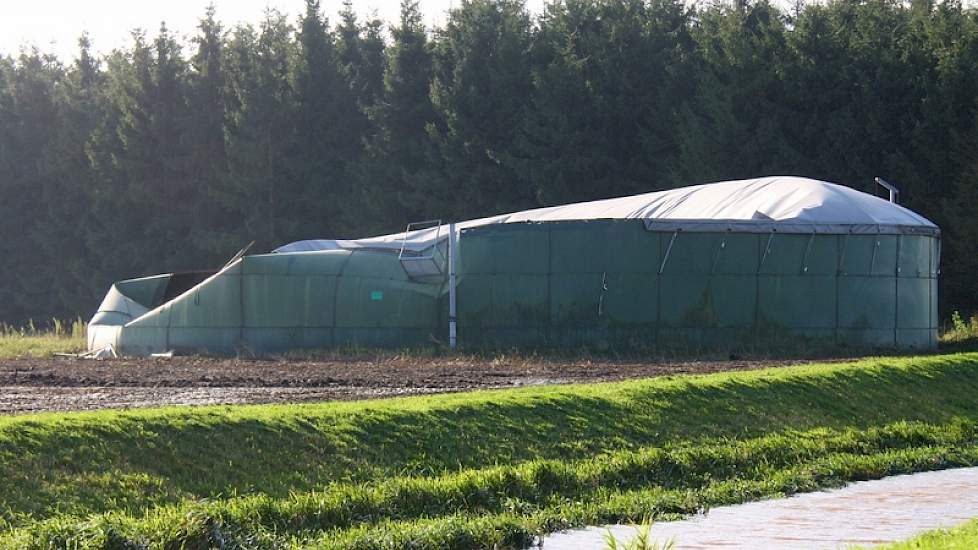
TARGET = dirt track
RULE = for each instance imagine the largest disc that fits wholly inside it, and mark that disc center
(63, 384)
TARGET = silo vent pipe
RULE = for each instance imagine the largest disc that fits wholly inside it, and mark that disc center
(894, 192)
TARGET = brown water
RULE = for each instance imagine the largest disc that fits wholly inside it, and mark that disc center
(866, 513)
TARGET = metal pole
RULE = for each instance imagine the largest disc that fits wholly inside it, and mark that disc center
(452, 266)
(894, 192)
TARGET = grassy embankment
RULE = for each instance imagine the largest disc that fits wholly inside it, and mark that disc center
(475, 469)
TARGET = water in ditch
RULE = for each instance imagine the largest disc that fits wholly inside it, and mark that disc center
(865, 513)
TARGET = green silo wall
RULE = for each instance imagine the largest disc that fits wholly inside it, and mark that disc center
(590, 284)
(614, 283)
(274, 303)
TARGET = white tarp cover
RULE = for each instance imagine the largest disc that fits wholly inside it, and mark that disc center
(785, 204)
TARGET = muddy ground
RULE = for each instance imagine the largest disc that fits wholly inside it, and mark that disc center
(62, 384)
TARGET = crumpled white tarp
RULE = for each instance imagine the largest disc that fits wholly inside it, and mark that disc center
(786, 204)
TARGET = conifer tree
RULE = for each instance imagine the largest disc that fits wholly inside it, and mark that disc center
(607, 76)
(732, 126)
(481, 89)
(140, 161)
(68, 195)
(207, 102)
(396, 178)
(28, 115)
(260, 130)
(323, 147)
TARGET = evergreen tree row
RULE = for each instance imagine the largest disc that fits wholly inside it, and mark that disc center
(169, 156)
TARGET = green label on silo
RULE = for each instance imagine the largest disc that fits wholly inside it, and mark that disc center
(377, 295)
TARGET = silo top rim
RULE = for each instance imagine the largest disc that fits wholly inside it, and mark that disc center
(783, 204)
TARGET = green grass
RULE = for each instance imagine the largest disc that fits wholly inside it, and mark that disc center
(46, 345)
(963, 537)
(476, 469)
(32, 341)
(961, 331)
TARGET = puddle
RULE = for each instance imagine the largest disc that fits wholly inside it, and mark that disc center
(864, 513)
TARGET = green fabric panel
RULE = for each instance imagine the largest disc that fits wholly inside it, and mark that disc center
(271, 339)
(915, 256)
(506, 300)
(364, 263)
(867, 302)
(200, 339)
(865, 337)
(385, 337)
(739, 254)
(815, 336)
(529, 337)
(630, 248)
(885, 263)
(522, 248)
(417, 307)
(785, 254)
(603, 338)
(475, 253)
(691, 253)
(734, 298)
(686, 301)
(350, 299)
(289, 301)
(603, 246)
(580, 247)
(592, 284)
(145, 291)
(520, 300)
(703, 301)
(822, 256)
(159, 317)
(915, 338)
(690, 340)
(214, 303)
(631, 299)
(143, 339)
(796, 301)
(574, 299)
(506, 248)
(369, 302)
(857, 253)
(326, 262)
(475, 301)
(913, 303)
(110, 318)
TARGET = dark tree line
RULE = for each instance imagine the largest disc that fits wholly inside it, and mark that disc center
(167, 156)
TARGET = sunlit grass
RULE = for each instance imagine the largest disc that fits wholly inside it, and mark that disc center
(964, 537)
(477, 469)
(32, 340)
(961, 330)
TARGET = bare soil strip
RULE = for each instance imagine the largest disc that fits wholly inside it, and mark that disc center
(64, 384)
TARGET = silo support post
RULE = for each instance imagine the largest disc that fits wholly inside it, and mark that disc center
(452, 267)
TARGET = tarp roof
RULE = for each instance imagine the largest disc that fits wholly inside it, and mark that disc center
(785, 204)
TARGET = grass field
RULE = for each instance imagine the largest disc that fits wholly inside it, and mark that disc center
(30, 341)
(475, 469)
(39, 345)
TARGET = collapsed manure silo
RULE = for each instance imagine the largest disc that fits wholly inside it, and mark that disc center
(727, 265)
